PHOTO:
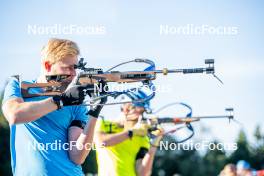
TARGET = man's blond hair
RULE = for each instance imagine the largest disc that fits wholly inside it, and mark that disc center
(56, 49)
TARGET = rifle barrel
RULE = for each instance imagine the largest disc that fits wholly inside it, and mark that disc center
(189, 119)
(184, 71)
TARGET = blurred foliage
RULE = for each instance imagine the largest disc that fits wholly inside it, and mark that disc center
(90, 164)
(170, 162)
(5, 166)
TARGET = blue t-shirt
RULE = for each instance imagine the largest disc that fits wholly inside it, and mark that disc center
(41, 147)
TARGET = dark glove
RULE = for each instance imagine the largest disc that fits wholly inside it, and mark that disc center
(96, 111)
(73, 96)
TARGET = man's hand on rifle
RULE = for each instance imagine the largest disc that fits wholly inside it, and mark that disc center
(158, 136)
(74, 95)
(96, 111)
(140, 129)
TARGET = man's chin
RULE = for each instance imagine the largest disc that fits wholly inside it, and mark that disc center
(132, 118)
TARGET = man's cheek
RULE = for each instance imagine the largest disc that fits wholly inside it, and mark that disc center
(55, 69)
(61, 71)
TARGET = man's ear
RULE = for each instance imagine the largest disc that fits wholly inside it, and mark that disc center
(47, 66)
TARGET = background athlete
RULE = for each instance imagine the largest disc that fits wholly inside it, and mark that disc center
(123, 147)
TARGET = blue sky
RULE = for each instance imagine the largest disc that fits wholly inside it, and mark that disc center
(132, 29)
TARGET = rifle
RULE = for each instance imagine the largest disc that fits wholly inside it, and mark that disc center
(57, 84)
(179, 128)
(185, 130)
(182, 120)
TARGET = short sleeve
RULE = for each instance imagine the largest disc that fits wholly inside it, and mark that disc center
(12, 89)
(146, 143)
(80, 113)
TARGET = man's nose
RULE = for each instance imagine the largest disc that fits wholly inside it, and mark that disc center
(73, 72)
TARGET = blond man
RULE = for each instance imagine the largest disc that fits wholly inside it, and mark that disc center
(50, 135)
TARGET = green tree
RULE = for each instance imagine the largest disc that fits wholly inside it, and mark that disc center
(90, 164)
(166, 161)
(179, 161)
(214, 160)
(243, 149)
(257, 159)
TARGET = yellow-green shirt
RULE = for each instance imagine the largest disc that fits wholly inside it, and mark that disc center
(120, 159)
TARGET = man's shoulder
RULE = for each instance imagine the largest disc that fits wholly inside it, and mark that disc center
(12, 89)
(141, 141)
(15, 82)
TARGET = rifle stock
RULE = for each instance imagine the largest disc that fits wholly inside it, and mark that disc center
(49, 89)
(57, 87)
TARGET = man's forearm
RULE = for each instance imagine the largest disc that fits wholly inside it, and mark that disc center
(112, 139)
(84, 142)
(25, 112)
(147, 162)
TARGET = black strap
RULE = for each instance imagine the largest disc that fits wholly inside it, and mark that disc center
(110, 128)
(141, 153)
(79, 123)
